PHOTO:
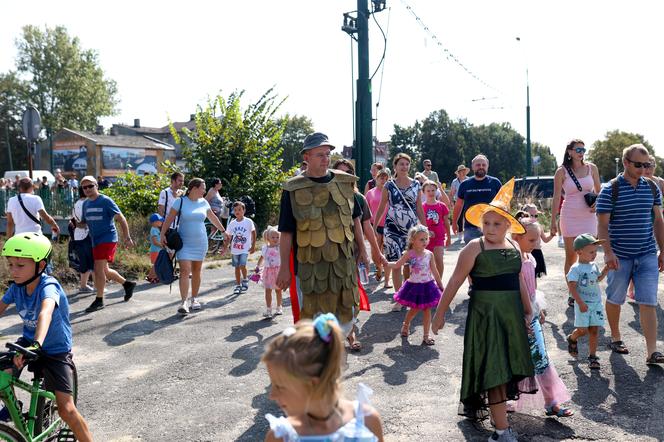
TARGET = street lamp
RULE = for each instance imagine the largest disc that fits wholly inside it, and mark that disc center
(529, 162)
(616, 160)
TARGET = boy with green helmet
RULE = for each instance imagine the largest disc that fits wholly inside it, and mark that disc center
(42, 304)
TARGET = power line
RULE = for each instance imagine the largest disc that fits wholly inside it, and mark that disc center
(446, 52)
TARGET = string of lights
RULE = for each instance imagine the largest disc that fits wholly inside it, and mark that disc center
(446, 52)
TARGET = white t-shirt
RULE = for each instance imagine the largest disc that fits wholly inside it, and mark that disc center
(79, 232)
(240, 232)
(22, 223)
(169, 204)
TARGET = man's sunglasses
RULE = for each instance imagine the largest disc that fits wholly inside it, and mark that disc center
(89, 186)
(639, 164)
(578, 149)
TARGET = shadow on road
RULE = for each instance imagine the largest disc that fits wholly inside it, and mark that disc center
(128, 332)
(263, 405)
(251, 352)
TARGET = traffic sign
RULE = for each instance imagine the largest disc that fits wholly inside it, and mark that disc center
(31, 123)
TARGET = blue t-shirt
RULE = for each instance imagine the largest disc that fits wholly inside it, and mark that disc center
(473, 191)
(155, 232)
(58, 338)
(99, 215)
(631, 229)
(585, 275)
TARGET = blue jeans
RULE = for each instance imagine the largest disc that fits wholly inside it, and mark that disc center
(644, 271)
(470, 233)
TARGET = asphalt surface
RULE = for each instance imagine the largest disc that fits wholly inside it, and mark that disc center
(145, 373)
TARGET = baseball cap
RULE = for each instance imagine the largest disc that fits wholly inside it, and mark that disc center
(585, 239)
(156, 217)
(90, 178)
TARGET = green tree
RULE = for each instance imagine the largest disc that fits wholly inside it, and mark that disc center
(296, 127)
(241, 147)
(66, 83)
(13, 96)
(547, 164)
(138, 194)
(406, 140)
(604, 152)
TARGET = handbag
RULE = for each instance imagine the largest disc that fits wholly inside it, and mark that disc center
(173, 238)
(589, 197)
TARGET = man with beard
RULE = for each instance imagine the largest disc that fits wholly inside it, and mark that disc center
(481, 188)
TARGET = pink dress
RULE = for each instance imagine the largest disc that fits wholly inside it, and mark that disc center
(575, 215)
(435, 215)
(373, 197)
(272, 261)
(552, 390)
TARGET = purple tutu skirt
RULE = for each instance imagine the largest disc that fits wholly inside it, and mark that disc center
(419, 295)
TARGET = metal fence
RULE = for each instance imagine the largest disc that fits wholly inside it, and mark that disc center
(59, 203)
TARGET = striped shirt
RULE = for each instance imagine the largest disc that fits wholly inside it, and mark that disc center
(631, 229)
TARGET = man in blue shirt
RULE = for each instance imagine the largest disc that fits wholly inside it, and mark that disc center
(42, 305)
(100, 214)
(481, 188)
(626, 223)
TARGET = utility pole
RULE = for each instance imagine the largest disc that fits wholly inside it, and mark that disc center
(529, 152)
(363, 143)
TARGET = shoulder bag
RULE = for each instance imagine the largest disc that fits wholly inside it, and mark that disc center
(589, 197)
(173, 238)
(27, 212)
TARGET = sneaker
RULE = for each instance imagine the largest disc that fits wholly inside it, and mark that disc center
(97, 304)
(245, 285)
(4, 412)
(194, 304)
(184, 307)
(508, 436)
(237, 290)
(268, 313)
(86, 289)
(128, 289)
(397, 307)
(561, 243)
(280, 311)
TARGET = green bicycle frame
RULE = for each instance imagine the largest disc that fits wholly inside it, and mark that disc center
(25, 426)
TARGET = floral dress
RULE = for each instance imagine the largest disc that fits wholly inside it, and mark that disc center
(401, 216)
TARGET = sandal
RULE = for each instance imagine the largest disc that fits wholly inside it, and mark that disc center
(388, 286)
(572, 346)
(560, 412)
(354, 344)
(593, 362)
(428, 340)
(655, 358)
(618, 347)
(405, 330)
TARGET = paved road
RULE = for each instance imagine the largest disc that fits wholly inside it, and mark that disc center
(148, 374)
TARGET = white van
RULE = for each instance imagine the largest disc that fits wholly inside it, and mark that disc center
(36, 175)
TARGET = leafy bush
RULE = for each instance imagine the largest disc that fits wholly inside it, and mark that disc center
(241, 147)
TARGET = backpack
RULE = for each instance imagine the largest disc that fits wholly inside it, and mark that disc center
(249, 205)
(164, 268)
(615, 189)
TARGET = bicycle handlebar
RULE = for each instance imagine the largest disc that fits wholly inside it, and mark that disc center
(27, 354)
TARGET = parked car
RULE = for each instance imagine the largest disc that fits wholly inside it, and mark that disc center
(539, 187)
(36, 175)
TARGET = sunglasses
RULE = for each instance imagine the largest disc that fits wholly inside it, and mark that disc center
(89, 186)
(578, 149)
(639, 164)
(533, 216)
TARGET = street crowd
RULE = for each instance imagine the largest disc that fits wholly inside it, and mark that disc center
(325, 223)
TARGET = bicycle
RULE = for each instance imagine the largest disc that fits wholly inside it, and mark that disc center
(215, 238)
(41, 422)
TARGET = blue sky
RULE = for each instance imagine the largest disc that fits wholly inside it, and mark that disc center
(594, 65)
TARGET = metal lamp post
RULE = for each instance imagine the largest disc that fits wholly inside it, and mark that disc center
(617, 160)
(529, 153)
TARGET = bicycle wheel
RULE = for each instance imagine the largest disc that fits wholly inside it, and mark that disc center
(9, 434)
(47, 413)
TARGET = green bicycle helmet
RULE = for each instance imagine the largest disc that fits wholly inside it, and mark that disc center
(33, 246)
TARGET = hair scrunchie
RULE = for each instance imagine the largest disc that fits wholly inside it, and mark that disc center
(323, 326)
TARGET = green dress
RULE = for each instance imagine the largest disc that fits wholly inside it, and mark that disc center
(496, 349)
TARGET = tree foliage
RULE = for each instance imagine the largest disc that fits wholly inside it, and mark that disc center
(296, 127)
(13, 95)
(604, 152)
(66, 83)
(448, 143)
(241, 147)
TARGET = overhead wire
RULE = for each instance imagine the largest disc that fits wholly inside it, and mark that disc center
(381, 66)
(446, 52)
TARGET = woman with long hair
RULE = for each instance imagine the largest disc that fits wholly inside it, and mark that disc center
(576, 178)
(191, 209)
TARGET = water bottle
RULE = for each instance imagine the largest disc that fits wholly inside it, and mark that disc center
(364, 274)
